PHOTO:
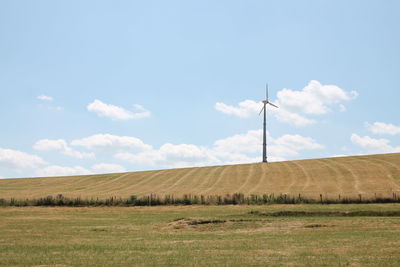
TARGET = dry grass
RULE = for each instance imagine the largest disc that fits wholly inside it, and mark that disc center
(198, 236)
(347, 176)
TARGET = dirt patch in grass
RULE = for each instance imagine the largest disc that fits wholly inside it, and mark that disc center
(232, 225)
(317, 225)
(98, 229)
(198, 221)
(184, 222)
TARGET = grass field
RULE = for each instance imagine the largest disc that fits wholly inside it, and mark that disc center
(242, 235)
(348, 176)
(198, 236)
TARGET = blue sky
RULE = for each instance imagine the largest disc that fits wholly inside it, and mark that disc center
(108, 86)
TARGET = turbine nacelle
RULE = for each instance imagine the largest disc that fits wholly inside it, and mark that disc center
(266, 102)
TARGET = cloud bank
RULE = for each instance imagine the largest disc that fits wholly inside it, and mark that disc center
(117, 113)
(295, 106)
(240, 148)
(107, 168)
(383, 128)
(111, 142)
(235, 149)
(55, 170)
(373, 145)
(14, 159)
(60, 145)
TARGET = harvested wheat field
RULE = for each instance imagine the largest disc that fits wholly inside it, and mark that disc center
(373, 175)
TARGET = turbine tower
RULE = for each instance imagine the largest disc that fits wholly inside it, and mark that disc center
(265, 102)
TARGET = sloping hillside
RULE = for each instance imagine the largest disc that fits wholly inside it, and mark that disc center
(348, 176)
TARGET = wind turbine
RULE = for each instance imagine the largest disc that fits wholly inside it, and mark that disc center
(265, 102)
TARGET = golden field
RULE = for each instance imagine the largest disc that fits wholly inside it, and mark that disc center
(372, 175)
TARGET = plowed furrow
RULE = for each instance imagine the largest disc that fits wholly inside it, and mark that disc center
(114, 189)
(208, 180)
(250, 174)
(334, 179)
(139, 186)
(189, 186)
(176, 186)
(213, 187)
(386, 175)
(310, 184)
(227, 180)
(372, 176)
(297, 179)
(95, 186)
(349, 174)
(261, 170)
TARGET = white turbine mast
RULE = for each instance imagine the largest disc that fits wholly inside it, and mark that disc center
(264, 108)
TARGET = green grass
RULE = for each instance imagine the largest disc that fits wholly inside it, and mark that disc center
(199, 236)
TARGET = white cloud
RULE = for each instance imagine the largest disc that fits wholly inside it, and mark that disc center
(372, 145)
(45, 98)
(249, 108)
(339, 156)
(150, 157)
(247, 143)
(314, 99)
(115, 112)
(141, 112)
(291, 146)
(240, 148)
(383, 128)
(286, 116)
(107, 168)
(297, 142)
(15, 159)
(55, 170)
(172, 156)
(245, 109)
(111, 142)
(61, 146)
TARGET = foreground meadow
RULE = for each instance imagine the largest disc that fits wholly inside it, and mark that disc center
(199, 235)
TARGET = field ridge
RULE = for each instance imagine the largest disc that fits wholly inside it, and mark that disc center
(370, 175)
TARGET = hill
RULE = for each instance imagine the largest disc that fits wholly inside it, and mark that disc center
(347, 176)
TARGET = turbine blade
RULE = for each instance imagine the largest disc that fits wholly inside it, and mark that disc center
(261, 110)
(266, 92)
(273, 105)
